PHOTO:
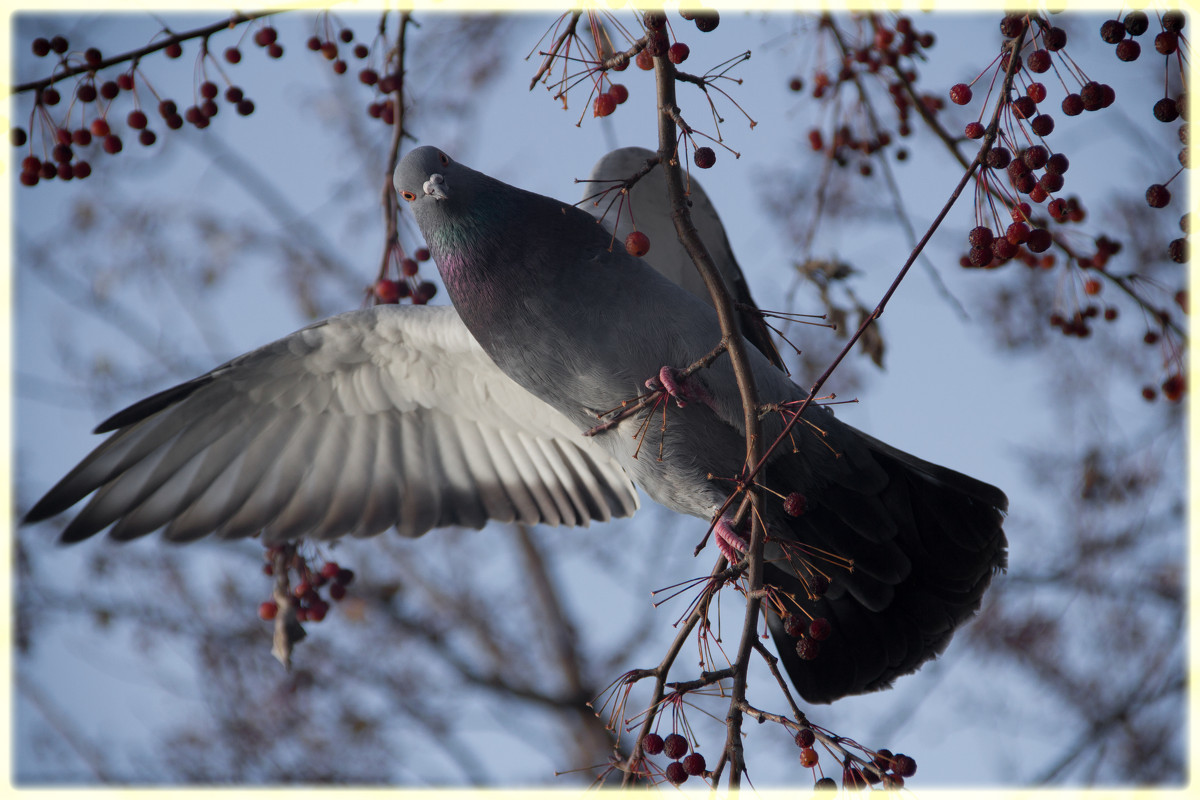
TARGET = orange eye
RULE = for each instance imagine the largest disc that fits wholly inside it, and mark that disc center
(445, 159)
(409, 196)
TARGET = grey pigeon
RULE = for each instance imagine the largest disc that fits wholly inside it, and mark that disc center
(399, 416)
(391, 416)
(583, 325)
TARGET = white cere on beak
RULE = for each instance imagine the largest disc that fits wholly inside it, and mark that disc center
(436, 186)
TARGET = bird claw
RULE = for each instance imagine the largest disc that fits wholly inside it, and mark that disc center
(682, 389)
(731, 545)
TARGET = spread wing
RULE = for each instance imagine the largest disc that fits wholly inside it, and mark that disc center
(389, 416)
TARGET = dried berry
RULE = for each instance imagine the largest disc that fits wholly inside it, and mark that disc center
(998, 157)
(1165, 110)
(644, 60)
(1136, 22)
(904, 766)
(808, 757)
(1173, 21)
(1158, 196)
(652, 744)
(1042, 125)
(1166, 43)
(694, 764)
(1038, 61)
(794, 625)
(707, 20)
(675, 773)
(1039, 241)
(795, 504)
(1072, 105)
(678, 53)
(704, 157)
(980, 236)
(233, 55)
(619, 92)
(819, 629)
(974, 130)
(674, 746)
(268, 609)
(805, 738)
(960, 94)
(1112, 31)
(1055, 39)
(1128, 50)
(807, 649)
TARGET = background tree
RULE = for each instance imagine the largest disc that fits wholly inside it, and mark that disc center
(466, 657)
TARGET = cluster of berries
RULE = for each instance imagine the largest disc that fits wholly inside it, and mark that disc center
(95, 101)
(387, 291)
(310, 606)
(888, 51)
(675, 747)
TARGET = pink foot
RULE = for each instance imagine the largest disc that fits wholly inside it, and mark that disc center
(682, 389)
(731, 545)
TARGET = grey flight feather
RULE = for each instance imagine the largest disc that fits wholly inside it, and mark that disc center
(582, 326)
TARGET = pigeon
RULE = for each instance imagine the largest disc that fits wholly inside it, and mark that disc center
(890, 552)
(420, 417)
(388, 417)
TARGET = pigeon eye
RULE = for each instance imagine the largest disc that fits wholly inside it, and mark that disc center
(409, 196)
(445, 159)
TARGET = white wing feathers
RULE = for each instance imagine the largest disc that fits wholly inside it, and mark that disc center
(390, 416)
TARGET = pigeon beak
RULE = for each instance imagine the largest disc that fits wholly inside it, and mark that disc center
(436, 187)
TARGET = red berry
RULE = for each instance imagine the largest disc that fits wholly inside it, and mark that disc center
(1158, 196)
(1173, 388)
(1112, 31)
(345, 576)
(707, 20)
(268, 610)
(1037, 92)
(1038, 61)
(388, 292)
(815, 140)
(1092, 94)
(637, 244)
(1042, 124)
(808, 757)
(340, 67)
(1039, 241)
(817, 584)
(644, 60)
(1035, 157)
(147, 138)
(1003, 249)
(59, 44)
(819, 629)
(1136, 22)
(208, 108)
(807, 649)
(674, 746)
(904, 766)
(233, 55)
(137, 120)
(329, 50)
(603, 105)
(1128, 50)
(408, 267)
(368, 77)
(652, 745)
(1072, 105)
(974, 130)
(346, 35)
(86, 92)
(50, 96)
(64, 172)
(794, 625)
(337, 591)
(421, 254)
(704, 157)
(245, 107)
(233, 94)
(47, 170)
(1173, 21)
(313, 43)
(678, 53)
(62, 152)
(173, 50)
(694, 764)
(41, 47)
(980, 236)
(1166, 43)
(1024, 107)
(675, 773)
(1017, 233)
(209, 90)
(112, 144)
(265, 36)
(30, 178)
(795, 504)
(1149, 392)
(361, 51)
(81, 169)
(805, 738)
(960, 94)
(619, 93)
